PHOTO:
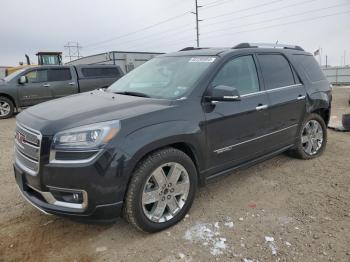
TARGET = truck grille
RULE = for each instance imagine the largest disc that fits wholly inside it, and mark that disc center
(27, 149)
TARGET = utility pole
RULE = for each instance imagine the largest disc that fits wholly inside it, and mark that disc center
(73, 49)
(344, 58)
(197, 21)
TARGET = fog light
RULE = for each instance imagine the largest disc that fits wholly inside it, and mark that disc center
(70, 197)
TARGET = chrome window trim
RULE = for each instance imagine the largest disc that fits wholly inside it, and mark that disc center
(52, 200)
(53, 159)
(271, 90)
(228, 148)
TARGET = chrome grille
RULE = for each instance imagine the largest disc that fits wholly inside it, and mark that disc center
(27, 149)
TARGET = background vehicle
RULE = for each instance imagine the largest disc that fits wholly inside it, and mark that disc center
(30, 86)
(177, 121)
(44, 58)
(127, 61)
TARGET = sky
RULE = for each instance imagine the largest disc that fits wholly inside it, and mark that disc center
(29, 26)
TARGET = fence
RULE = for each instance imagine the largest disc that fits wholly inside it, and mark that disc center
(337, 75)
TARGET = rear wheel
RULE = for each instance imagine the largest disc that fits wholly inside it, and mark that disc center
(312, 137)
(161, 190)
(6, 107)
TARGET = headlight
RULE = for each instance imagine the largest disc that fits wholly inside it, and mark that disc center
(86, 137)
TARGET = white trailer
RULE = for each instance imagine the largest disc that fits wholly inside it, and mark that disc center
(126, 60)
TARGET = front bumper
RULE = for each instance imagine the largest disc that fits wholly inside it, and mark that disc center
(102, 184)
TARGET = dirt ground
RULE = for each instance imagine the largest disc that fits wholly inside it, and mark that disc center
(281, 210)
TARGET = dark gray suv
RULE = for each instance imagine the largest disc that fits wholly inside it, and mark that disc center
(142, 147)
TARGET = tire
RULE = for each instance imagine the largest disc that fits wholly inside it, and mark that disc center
(140, 211)
(346, 121)
(6, 107)
(303, 141)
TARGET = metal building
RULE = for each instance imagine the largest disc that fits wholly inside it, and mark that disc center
(126, 60)
(337, 75)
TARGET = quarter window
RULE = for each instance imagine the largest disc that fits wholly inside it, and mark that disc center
(276, 71)
(312, 69)
(101, 72)
(62, 74)
(239, 73)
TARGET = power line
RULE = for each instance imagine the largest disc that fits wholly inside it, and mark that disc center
(139, 30)
(245, 9)
(73, 50)
(216, 3)
(162, 37)
(157, 35)
(283, 24)
(259, 13)
(278, 18)
(266, 27)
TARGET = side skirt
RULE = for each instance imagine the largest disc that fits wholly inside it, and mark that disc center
(248, 164)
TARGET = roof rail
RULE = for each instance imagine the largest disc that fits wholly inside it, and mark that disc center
(273, 45)
(188, 48)
(193, 48)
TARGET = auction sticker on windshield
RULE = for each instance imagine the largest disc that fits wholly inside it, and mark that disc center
(202, 60)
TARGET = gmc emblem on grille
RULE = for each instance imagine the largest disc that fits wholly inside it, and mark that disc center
(20, 137)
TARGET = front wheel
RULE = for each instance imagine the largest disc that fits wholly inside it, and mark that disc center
(161, 190)
(312, 137)
(6, 107)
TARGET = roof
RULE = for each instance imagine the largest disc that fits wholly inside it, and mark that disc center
(214, 51)
(49, 53)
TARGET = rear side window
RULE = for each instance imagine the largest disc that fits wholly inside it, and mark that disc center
(62, 74)
(239, 73)
(310, 66)
(276, 71)
(100, 72)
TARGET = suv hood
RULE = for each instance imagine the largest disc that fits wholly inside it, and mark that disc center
(87, 108)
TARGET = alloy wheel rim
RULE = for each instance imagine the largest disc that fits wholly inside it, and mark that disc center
(165, 192)
(4, 108)
(312, 137)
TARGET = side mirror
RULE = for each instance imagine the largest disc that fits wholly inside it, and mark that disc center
(223, 93)
(22, 80)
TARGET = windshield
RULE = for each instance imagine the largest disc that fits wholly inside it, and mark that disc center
(163, 77)
(14, 74)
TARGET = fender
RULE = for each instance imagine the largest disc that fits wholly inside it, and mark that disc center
(318, 100)
(147, 139)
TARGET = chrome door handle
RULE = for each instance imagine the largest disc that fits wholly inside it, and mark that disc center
(261, 107)
(72, 83)
(46, 85)
(301, 97)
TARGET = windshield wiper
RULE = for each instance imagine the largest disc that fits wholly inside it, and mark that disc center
(130, 93)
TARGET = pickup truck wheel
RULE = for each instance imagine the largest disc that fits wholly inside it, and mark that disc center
(312, 138)
(6, 107)
(161, 190)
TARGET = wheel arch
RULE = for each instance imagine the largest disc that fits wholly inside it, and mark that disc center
(320, 103)
(184, 146)
(10, 98)
(324, 113)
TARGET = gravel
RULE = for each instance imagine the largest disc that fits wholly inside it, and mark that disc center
(300, 212)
